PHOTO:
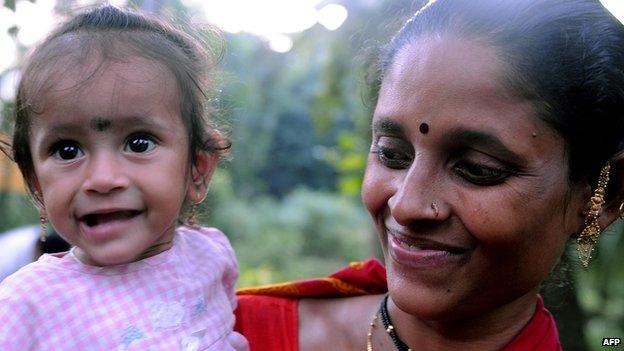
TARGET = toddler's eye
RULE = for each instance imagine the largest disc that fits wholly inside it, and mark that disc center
(67, 150)
(140, 143)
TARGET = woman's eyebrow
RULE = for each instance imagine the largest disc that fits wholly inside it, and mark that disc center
(487, 140)
(385, 125)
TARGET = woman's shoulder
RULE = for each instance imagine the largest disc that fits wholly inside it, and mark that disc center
(336, 323)
(296, 313)
(292, 324)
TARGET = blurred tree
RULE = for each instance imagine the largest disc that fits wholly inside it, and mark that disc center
(268, 103)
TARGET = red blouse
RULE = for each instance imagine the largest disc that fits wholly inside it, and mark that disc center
(268, 318)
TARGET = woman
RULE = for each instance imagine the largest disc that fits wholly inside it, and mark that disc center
(497, 137)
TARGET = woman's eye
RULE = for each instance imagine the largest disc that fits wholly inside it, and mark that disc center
(140, 143)
(66, 150)
(393, 157)
(481, 175)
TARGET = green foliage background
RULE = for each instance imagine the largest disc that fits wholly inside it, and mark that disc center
(289, 196)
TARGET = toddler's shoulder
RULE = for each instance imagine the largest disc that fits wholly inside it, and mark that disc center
(206, 240)
(35, 274)
(30, 288)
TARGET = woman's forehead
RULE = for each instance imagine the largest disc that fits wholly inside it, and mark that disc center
(449, 85)
(433, 62)
(450, 75)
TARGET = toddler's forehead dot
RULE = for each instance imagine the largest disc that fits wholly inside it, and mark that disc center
(100, 124)
(424, 128)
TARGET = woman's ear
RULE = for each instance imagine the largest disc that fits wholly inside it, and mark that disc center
(614, 196)
(615, 192)
(200, 175)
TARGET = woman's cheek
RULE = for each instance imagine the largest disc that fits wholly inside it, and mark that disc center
(492, 224)
(375, 192)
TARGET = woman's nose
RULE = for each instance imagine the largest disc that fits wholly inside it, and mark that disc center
(417, 197)
(105, 174)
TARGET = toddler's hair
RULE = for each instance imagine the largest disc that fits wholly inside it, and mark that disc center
(109, 34)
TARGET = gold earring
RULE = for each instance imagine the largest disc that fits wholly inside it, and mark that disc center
(44, 230)
(191, 220)
(589, 236)
(622, 211)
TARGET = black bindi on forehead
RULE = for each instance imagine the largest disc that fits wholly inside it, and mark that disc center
(424, 128)
(100, 124)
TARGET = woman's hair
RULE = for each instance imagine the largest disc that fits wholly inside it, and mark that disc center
(111, 34)
(5, 145)
(566, 56)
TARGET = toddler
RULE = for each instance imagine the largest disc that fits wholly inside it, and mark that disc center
(112, 138)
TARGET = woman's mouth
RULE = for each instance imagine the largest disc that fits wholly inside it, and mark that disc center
(419, 252)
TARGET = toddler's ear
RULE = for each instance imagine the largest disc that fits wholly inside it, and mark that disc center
(201, 173)
(35, 190)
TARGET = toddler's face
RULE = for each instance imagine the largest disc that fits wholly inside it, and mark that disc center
(110, 153)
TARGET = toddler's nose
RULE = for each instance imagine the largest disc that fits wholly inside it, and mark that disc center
(106, 174)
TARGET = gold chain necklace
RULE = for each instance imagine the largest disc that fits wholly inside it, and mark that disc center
(387, 323)
(369, 335)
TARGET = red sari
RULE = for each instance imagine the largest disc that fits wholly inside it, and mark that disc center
(268, 318)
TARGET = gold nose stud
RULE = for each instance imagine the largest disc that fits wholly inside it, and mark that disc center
(434, 207)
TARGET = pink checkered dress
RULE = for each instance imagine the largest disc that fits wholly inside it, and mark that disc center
(180, 299)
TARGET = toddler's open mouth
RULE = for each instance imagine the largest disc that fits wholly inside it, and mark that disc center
(94, 219)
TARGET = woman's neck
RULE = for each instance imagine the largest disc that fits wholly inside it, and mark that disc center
(490, 331)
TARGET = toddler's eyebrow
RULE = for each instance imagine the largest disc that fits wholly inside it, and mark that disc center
(101, 124)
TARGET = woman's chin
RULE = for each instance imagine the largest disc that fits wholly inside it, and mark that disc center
(426, 304)
(454, 304)
(432, 300)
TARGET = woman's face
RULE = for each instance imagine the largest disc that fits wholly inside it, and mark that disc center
(468, 189)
